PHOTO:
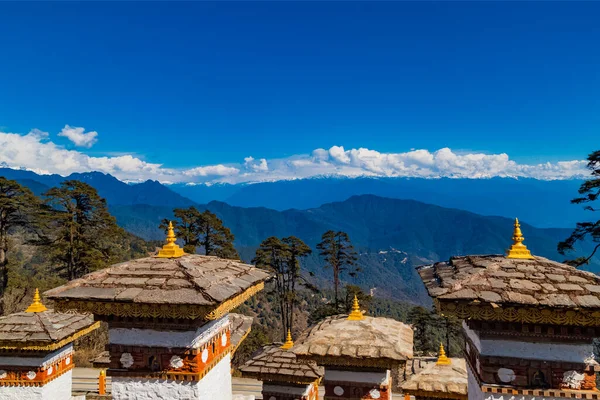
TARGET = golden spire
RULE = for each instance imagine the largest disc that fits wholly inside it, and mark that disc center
(442, 359)
(518, 249)
(171, 249)
(356, 314)
(36, 305)
(289, 343)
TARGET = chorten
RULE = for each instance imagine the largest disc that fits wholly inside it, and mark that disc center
(528, 322)
(36, 352)
(284, 378)
(358, 353)
(444, 379)
(168, 319)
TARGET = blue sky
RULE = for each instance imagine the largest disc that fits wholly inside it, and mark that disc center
(194, 84)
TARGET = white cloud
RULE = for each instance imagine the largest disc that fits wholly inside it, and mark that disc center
(78, 136)
(34, 151)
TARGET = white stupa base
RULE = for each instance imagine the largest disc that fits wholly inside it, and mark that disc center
(57, 389)
(216, 385)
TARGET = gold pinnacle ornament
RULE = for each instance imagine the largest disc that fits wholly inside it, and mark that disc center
(518, 249)
(171, 249)
(289, 343)
(356, 314)
(36, 305)
(442, 359)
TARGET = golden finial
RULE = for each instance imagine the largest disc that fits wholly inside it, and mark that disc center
(356, 314)
(442, 359)
(36, 305)
(518, 249)
(289, 343)
(171, 249)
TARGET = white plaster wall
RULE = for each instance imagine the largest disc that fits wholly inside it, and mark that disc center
(530, 350)
(57, 389)
(152, 337)
(376, 378)
(50, 358)
(473, 388)
(216, 385)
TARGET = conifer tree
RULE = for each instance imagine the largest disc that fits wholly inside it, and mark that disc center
(215, 238)
(282, 258)
(186, 227)
(18, 209)
(80, 234)
(590, 192)
(339, 255)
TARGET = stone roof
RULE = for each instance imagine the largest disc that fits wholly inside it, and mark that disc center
(273, 364)
(192, 286)
(370, 342)
(43, 331)
(102, 360)
(435, 378)
(240, 328)
(497, 280)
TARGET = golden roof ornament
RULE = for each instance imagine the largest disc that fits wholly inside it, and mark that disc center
(36, 305)
(442, 359)
(356, 314)
(171, 249)
(289, 343)
(518, 250)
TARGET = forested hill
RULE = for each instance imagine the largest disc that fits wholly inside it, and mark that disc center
(391, 235)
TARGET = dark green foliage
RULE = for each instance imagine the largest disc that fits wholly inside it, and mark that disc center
(80, 234)
(18, 210)
(432, 329)
(282, 258)
(339, 254)
(202, 229)
(589, 191)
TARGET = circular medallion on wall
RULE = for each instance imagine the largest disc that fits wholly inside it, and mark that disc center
(375, 394)
(31, 375)
(204, 355)
(506, 375)
(338, 390)
(49, 370)
(272, 398)
(126, 360)
(224, 340)
(176, 362)
(67, 360)
(3, 374)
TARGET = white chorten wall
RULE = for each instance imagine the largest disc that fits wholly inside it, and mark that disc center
(568, 352)
(57, 389)
(216, 385)
(370, 384)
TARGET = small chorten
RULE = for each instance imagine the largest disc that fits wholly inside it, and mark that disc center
(36, 306)
(442, 359)
(171, 249)
(356, 314)
(518, 249)
(289, 343)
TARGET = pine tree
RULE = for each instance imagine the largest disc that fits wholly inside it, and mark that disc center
(282, 258)
(590, 191)
(339, 255)
(186, 224)
(19, 208)
(81, 235)
(215, 238)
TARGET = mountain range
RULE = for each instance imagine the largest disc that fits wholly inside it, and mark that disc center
(391, 235)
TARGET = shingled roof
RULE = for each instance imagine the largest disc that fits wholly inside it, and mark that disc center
(370, 342)
(273, 364)
(439, 380)
(191, 286)
(43, 331)
(495, 287)
(500, 280)
(240, 328)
